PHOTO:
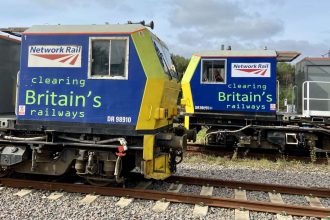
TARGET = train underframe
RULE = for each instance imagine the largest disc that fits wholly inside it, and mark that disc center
(278, 132)
(99, 158)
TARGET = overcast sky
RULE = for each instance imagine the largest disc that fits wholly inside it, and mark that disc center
(188, 26)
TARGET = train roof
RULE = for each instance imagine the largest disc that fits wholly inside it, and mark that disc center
(317, 58)
(238, 53)
(10, 37)
(76, 29)
(86, 29)
(282, 56)
(317, 61)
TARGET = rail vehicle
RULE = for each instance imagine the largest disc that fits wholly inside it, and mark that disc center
(98, 100)
(233, 95)
(9, 66)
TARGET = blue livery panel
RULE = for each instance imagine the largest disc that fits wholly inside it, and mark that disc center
(235, 84)
(55, 85)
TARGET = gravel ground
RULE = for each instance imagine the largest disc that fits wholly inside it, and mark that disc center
(262, 216)
(295, 200)
(257, 196)
(268, 216)
(325, 202)
(306, 179)
(37, 206)
(161, 186)
(223, 192)
(191, 189)
(305, 218)
(219, 213)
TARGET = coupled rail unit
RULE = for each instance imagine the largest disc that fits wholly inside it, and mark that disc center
(9, 66)
(233, 94)
(99, 98)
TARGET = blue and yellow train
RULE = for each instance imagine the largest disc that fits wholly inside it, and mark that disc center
(233, 95)
(99, 98)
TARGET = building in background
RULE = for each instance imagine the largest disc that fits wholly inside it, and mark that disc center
(312, 78)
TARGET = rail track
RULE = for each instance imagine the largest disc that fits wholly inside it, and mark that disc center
(203, 200)
(251, 154)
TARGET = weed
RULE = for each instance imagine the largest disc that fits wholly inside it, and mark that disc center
(313, 154)
(201, 136)
(328, 159)
(234, 157)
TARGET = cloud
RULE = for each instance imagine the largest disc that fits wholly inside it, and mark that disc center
(196, 13)
(222, 19)
(33, 12)
(54, 5)
(245, 29)
(189, 26)
(306, 48)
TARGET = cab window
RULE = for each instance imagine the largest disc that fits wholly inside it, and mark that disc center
(213, 71)
(165, 59)
(108, 58)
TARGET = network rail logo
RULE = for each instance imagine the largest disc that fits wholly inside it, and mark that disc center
(54, 56)
(250, 69)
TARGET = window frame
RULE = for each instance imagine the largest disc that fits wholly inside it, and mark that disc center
(211, 59)
(90, 76)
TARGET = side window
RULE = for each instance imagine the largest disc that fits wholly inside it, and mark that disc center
(108, 58)
(213, 71)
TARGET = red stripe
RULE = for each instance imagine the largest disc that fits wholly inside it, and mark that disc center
(51, 56)
(257, 71)
(74, 59)
(66, 59)
(263, 73)
(248, 70)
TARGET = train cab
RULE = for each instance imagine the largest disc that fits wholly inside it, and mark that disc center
(233, 83)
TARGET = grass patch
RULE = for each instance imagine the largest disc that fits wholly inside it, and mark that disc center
(280, 164)
(201, 135)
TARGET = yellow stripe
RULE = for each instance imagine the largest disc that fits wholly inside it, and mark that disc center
(186, 122)
(187, 99)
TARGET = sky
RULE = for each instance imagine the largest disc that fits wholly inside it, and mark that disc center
(189, 26)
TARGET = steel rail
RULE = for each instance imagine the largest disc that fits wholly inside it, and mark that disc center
(274, 188)
(171, 197)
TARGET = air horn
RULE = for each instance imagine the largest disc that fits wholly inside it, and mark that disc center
(151, 24)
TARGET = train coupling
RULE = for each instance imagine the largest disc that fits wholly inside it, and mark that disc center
(171, 141)
(190, 133)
